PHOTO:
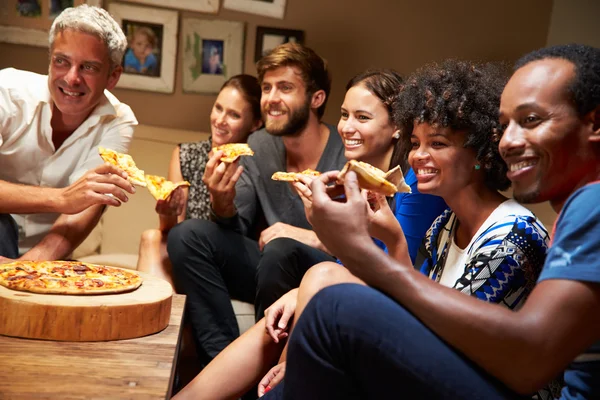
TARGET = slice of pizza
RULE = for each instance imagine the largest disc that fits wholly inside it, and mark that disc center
(369, 177)
(233, 151)
(124, 162)
(396, 177)
(293, 176)
(161, 188)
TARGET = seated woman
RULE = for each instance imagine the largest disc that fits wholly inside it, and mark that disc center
(234, 116)
(485, 245)
(369, 135)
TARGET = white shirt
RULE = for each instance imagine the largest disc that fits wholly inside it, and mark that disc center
(27, 153)
(457, 258)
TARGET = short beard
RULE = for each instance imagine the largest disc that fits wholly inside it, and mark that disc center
(298, 119)
(528, 197)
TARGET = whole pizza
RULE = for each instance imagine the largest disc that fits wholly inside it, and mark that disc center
(67, 277)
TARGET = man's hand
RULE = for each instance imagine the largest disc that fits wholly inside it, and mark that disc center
(278, 315)
(173, 205)
(105, 184)
(220, 179)
(279, 230)
(4, 260)
(271, 379)
(339, 226)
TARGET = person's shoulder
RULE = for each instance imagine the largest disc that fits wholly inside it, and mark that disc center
(122, 110)
(261, 138)
(584, 200)
(28, 83)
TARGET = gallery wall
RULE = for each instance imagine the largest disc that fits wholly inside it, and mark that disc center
(352, 35)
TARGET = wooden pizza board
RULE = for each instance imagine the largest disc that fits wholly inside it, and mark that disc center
(87, 318)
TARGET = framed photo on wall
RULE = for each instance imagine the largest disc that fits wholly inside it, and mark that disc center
(267, 8)
(149, 61)
(28, 21)
(269, 38)
(212, 53)
(205, 6)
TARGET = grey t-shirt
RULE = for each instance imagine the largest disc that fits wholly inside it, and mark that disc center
(259, 199)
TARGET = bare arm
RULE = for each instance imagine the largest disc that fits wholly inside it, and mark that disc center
(530, 348)
(65, 235)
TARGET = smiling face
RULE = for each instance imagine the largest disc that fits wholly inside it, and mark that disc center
(284, 102)
(78, 74)
(545, 141)
(442, 164)
(366, 128)
(231, 119)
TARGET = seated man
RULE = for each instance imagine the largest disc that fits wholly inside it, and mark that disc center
(50, 130)
(213, 261)
(414, 338)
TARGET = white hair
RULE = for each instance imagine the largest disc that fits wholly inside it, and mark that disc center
(96, 21)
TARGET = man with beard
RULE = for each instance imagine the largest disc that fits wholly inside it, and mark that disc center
(259, 244)
(54, 185)
(407, 336)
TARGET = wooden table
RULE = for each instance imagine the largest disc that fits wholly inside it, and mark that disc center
(141, 368)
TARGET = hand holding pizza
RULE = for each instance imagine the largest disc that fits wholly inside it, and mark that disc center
(330, 217)
(302, 187)
(220, 179)
(173, 205)
(382, 222)
(105, 184)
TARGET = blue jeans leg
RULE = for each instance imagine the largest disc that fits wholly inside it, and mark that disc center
(9, 237)
(353, 342)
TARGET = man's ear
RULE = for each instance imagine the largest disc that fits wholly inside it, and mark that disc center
(594, 116)
(318, 98)
(114, 76)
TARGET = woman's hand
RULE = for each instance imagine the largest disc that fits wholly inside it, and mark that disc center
(220, 179)
(382, 222)
(271, 379)
(277, 317)
(173, 205)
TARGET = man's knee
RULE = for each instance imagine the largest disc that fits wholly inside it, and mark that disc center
(188, 235)
(276, 259)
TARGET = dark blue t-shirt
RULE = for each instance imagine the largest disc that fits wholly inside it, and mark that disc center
(575, 255)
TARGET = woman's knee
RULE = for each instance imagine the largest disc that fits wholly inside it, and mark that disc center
(326, 274)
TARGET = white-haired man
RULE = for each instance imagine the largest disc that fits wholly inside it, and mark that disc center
(53, 184)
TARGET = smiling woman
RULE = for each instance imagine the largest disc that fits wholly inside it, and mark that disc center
(234, 116)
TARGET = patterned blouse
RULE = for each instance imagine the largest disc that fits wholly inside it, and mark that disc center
(192, 161)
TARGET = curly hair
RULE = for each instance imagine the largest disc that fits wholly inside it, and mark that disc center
(462, 96)
(585, 87)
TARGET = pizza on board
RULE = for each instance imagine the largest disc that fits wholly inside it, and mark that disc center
(294, 176)
(373, 179)
(233, 151)
(124, 162)
(161, 188)
(67, 277)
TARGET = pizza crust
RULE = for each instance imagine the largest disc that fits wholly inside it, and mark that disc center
(233, 151)
(124, 162)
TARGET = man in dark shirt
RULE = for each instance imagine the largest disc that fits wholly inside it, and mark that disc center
(259, 244)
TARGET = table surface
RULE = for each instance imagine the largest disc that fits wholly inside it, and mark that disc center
(141, 368)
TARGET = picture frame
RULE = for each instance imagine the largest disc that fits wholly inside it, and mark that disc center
(149, 61)
(212, 52)
(267, 38)
(204, 6)
(267, 8)
(32, 31)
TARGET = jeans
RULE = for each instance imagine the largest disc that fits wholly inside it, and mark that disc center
(353, 342)
(212, 264)
(9, 237)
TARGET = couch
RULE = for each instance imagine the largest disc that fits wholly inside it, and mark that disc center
(116, 239)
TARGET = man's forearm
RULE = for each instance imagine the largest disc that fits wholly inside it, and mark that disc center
(25, 199)
(66, 234)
